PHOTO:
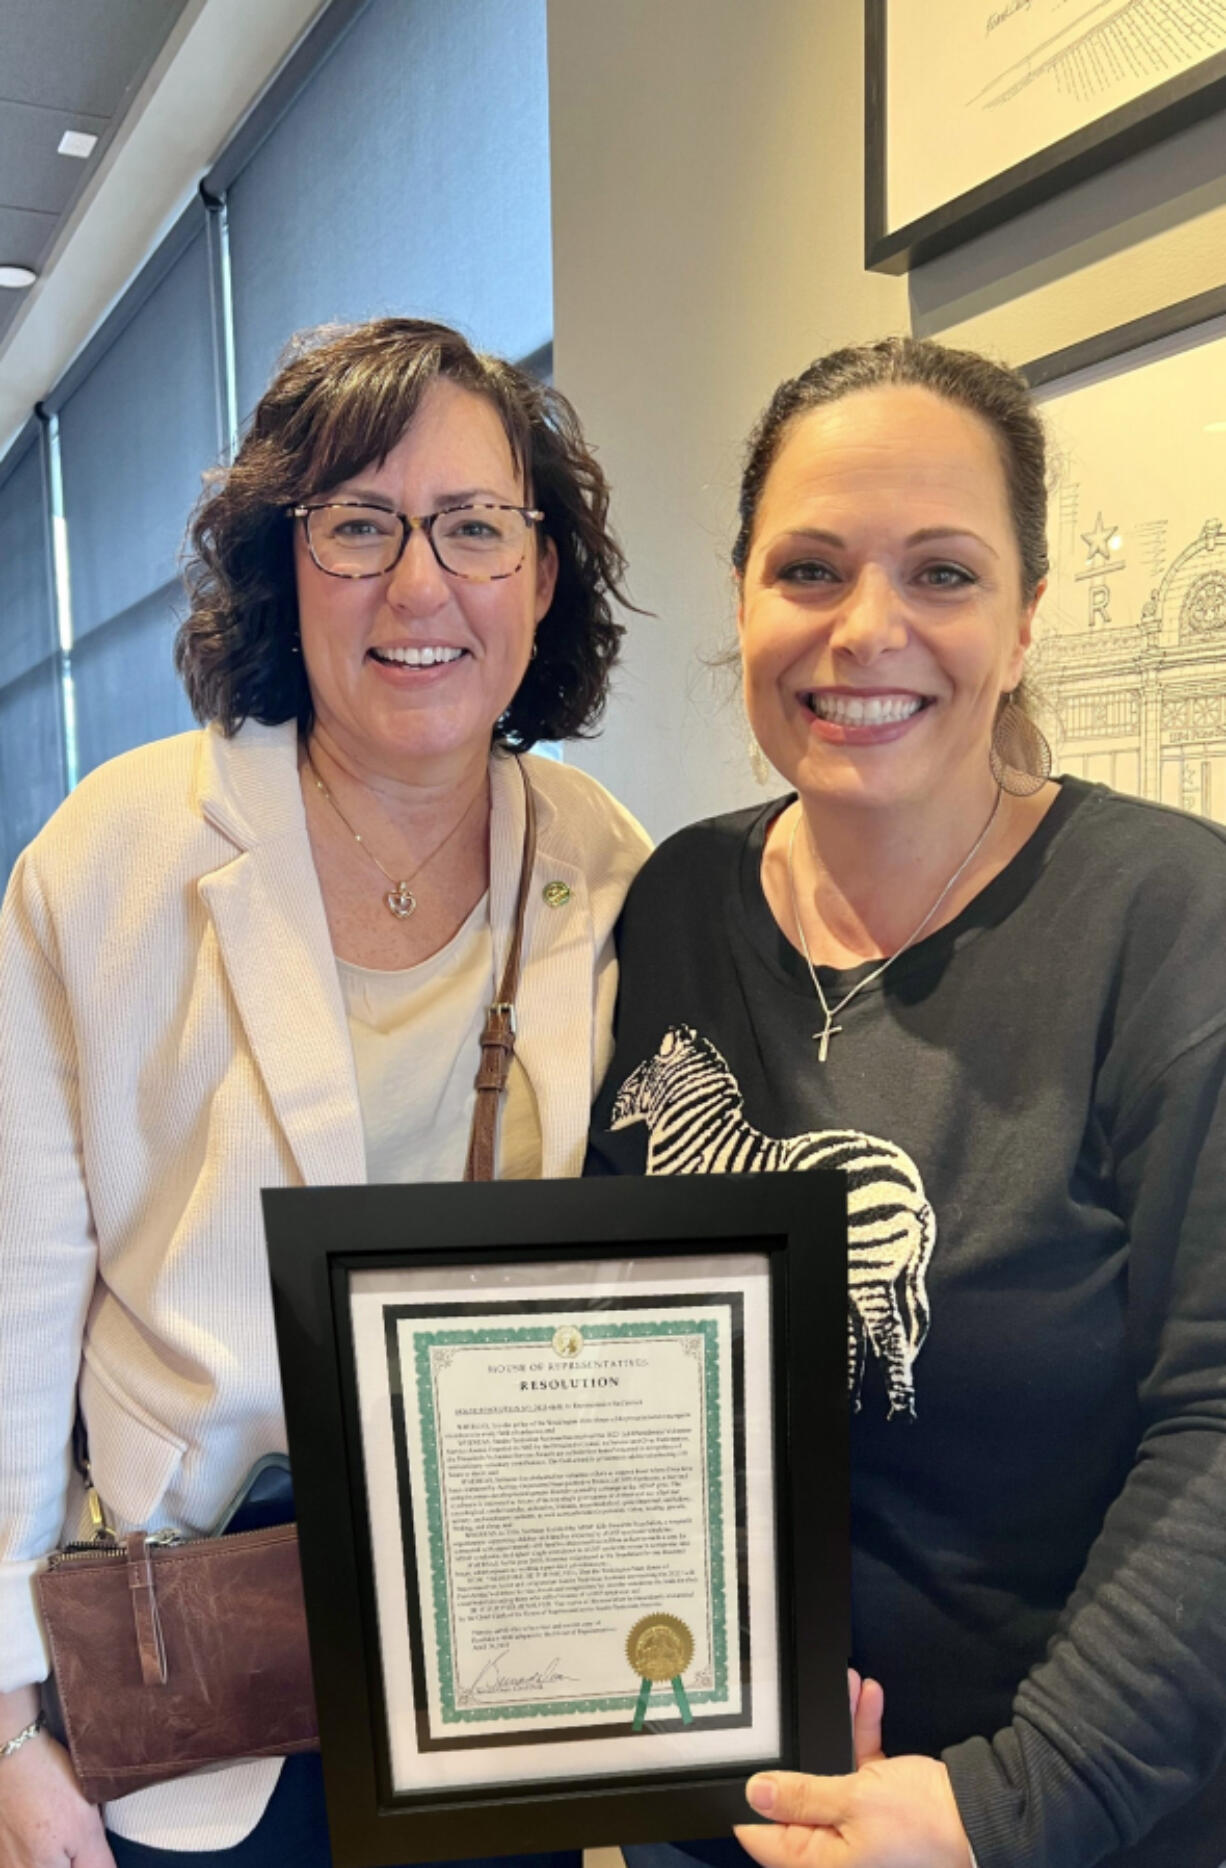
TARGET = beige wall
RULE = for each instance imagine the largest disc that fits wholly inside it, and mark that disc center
(707, 209)
(707, 227)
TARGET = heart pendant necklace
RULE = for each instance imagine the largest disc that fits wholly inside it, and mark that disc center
(400, 898)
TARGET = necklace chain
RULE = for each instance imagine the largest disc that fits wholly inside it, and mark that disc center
(400, 898)
(830, 1013)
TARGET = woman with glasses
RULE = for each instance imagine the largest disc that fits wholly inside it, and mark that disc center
(274, 952)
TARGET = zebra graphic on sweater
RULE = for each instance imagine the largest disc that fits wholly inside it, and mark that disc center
(694, 1112)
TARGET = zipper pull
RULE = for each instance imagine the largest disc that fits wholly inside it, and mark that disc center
(104, 1530)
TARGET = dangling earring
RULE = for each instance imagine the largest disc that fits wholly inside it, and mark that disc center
(1019, 754)
(759, 765)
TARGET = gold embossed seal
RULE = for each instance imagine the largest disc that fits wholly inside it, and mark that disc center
(659, 1647)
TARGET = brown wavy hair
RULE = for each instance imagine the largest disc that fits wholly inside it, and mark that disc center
(341, 401)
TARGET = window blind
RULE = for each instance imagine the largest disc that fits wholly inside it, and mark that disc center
(409, 176)
(31, 746)
(136, 434)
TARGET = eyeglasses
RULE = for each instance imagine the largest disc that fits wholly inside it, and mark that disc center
(479, 542)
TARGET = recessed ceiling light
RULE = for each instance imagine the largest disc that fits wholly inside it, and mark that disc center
(77, 143)
(16, 276)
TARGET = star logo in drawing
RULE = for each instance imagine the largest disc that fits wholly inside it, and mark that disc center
(1102, 540)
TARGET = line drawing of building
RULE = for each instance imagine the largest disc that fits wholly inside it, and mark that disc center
(1141, 706)
(1100, 49)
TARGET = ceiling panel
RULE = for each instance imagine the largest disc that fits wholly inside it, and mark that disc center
(64, 65)
(24, 239)
(79, 54)
(32, 172)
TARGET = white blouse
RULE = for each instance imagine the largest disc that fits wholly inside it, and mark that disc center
(415, 1035)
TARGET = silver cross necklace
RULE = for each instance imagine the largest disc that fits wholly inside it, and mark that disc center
(830, 1012)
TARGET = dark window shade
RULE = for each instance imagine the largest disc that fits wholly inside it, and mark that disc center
(411, 176)
(31, 757)
(27, 601)
(124, 681)
(136, 435)
(31, 745)
(135, 438)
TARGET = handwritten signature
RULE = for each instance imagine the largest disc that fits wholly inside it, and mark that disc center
(1005, 12)
(492, 1679)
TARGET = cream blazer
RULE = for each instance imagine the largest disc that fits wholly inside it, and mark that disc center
(172, 1039)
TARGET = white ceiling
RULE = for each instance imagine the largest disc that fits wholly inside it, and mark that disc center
(163, 82)
(64, 65)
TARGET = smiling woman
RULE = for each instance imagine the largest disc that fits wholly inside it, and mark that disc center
(414, 654)
(882, 607)
(998, 1003)
(279, 951)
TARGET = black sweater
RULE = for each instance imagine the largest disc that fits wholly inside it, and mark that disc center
(1034, 1094)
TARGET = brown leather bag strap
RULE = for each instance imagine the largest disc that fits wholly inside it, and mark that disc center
(498, 1036)
(150, 1643)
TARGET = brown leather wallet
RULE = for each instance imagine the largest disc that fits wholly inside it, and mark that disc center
(169, 1657)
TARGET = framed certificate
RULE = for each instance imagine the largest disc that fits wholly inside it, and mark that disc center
(570, 1466)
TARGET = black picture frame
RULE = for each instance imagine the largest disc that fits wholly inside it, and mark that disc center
(1185, 314)
(318, 1238)
(1173, 105)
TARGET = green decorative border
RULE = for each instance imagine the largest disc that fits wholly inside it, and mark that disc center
(424, 1342)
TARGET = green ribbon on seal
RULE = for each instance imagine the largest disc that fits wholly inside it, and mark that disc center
(659, 1648)
(640, 1711)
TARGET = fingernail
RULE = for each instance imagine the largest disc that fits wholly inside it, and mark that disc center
(761, 1794)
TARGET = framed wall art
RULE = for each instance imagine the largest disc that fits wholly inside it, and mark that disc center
(1129, 655)
(977, 110)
